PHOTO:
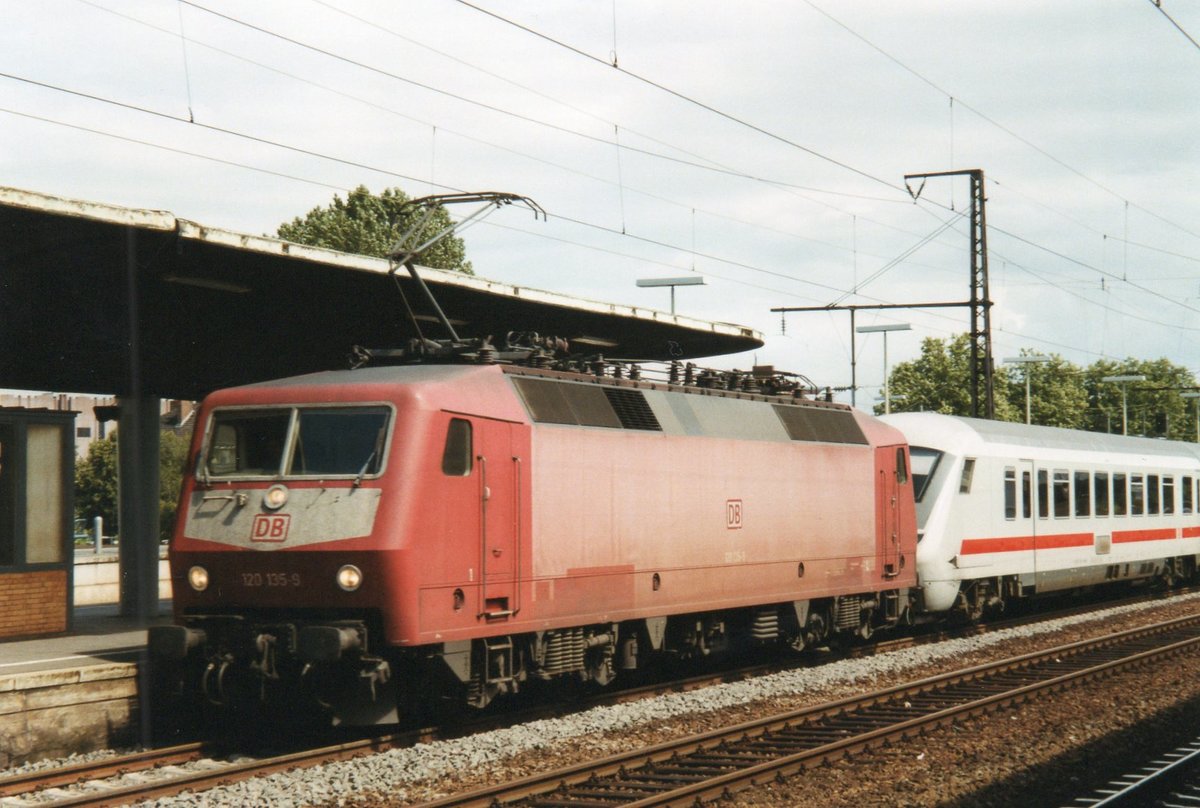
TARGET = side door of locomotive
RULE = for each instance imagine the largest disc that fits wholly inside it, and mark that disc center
(890, 472)
(501, 477)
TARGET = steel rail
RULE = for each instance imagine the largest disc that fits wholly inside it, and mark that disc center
(1159, 779)
(714, 764)
(222, 773)
(30, 782)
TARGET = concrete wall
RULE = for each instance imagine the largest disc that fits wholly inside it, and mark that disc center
(98, 579)
(55, 713)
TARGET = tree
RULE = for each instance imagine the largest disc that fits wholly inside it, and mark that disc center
(1155, 407)
(372, 224)
(1057, 394)
(940, 381)
(96, 481)
(1061, 394)
(172, 460)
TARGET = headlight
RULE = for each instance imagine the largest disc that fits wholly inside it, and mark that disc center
(275, 497)
(349, 577)
(198, 578)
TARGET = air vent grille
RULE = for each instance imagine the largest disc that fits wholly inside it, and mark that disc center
(819, 424)
(631, 407)
(554, 402)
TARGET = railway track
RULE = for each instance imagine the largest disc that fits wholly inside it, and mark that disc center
(169, 771)
(157, 774)
(1167, 780)
(715, 764)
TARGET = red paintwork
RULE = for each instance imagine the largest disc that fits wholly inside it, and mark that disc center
(578, 523)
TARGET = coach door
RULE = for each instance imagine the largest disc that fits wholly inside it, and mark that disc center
(499, 493)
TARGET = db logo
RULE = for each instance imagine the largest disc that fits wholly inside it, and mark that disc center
(270, 527)
(733, 514)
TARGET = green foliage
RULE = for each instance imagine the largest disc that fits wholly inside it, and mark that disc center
(172, 460)
(940, 381)
(1057, 393)
(1061, 394)
(96, 482)
(372, 224)
(1156, 408)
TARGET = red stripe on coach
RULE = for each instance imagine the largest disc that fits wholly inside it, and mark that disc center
(1121, 536)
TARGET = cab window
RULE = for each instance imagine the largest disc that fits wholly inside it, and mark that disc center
(968, 474)
(321, 442)
(924, 464)
(457, 455)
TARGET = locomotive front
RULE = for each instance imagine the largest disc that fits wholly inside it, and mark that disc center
(279, 575)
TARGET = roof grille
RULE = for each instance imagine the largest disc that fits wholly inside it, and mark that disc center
(819, 424)
(633, 410)
(555, 402)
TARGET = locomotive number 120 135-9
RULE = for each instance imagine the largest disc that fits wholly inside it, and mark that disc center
(270, 579)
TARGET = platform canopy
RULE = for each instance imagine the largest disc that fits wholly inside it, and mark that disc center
(102, 299)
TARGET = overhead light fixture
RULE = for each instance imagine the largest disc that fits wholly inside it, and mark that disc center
(207, 283)
(689, 280)
(429, 318)
(599, 342)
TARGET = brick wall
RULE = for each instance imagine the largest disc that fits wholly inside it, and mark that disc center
(33, 603)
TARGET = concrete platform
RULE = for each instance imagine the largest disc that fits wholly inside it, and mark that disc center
(76, 692)
(99, 635)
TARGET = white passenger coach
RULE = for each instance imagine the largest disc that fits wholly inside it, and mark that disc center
(1007, 510)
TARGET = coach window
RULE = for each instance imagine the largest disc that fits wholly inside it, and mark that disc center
(1083, 493)
(1100, 488)
(1043, 494)
(1152, 494)
(1026, 494)
(1185, 488)
(1010, 493)
(1062, 494)
(1137, 494)
(457, 456)
(1168, 496)
(1120, 495)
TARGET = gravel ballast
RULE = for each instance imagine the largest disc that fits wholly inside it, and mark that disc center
(1031, 750)
(428, 771)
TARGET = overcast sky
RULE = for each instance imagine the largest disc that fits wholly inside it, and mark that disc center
(761, 145)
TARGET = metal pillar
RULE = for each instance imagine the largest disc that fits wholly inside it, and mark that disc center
(981, 305)
(854, 362)
(137, 467)
(983, 402)
(137, 464)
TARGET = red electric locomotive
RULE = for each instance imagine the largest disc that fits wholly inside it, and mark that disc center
(378, 537)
